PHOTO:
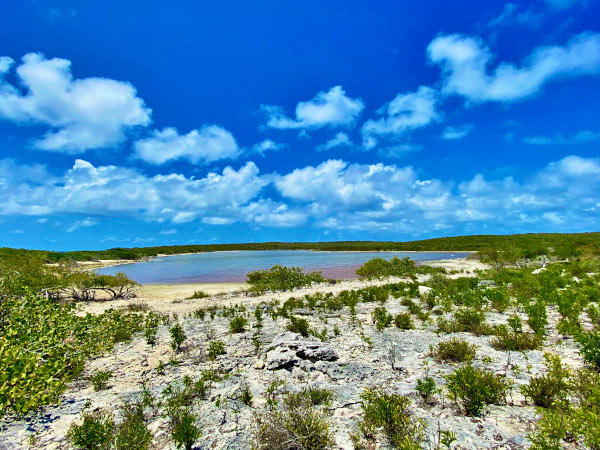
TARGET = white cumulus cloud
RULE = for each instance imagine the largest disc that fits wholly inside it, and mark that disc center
(455, 133)
(208, 144)
(466, 67)
(339, 140)
(327, 109)
(80, 114)
(406, 112)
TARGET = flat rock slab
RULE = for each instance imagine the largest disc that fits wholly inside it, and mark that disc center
(286, 354)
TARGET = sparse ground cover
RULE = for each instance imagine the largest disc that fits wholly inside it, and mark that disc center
(502, 358)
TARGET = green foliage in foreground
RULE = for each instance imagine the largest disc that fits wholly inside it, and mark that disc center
(281, 278)
(44, 344)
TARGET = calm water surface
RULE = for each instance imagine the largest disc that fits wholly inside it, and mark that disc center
(223, 267)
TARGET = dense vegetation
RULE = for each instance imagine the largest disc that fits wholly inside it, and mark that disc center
(509, 246)
(43, 341)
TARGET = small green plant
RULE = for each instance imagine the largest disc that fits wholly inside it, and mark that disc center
(537, 317)
(511, 341)
(99, 379)
(404, 321)
(426, 388)
(160, 368)
(514, 322)
(132, 432)
(184, 430)
(258, 315)
(151, 328)
(238, 324)
(389, 412)
(178, 337)
(245, 395)
(589, 344)
(382, 318)
(476, 388)
(299, 325)
(198, 295)
(96, 432)
(455, 350)
(216, 348)
(296, 424)
(550, 389)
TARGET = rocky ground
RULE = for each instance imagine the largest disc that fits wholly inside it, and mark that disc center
(347, 362)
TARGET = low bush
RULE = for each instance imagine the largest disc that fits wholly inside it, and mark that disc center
(299, 325)
(132, 432)
(238, 324)
(178, 337)
(511, 341)
(215, 348)
(455, 350)
(382, 318)
(281, 278)
(547, 390)
(295, 424)
(198, 295)
(475, 388)
(184, 430)
(389, 412)
(99, 379)
(96, 432)
(426, 388)
(404, 321)
(589, 344)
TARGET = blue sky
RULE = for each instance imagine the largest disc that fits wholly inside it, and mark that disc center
(154, 123)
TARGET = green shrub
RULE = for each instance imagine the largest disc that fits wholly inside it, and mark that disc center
(216, 348)
(132, 432)
(515, 323)
(96, 432)
(178, 336)
(151, 328)
(198, 295)
(537, 317)
(476, 388)
(589, 344)
(281, 278)
(299, 325)
(404, 321)
(380, 268)
(389, 412)
(511, 341)
(296, 424)
(549, 389)
(99, 379)
(245, 395)
(382, 318)
(455, 350)
(184, 430)
(426, 388)
(238, 324)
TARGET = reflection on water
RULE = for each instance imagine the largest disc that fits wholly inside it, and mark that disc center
(223, 267)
